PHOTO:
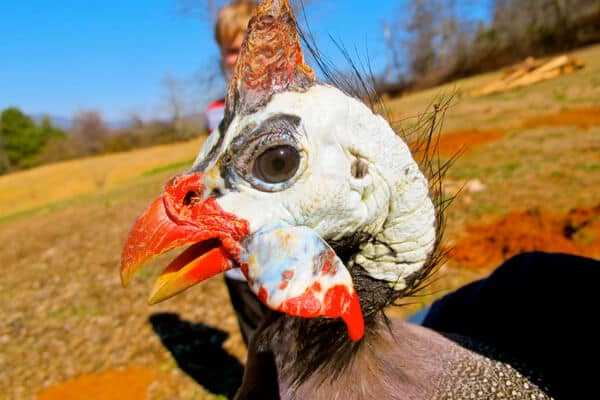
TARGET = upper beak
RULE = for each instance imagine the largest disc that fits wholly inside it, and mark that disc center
(179, 218)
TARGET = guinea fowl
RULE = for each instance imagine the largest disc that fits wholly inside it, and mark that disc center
(327, 213)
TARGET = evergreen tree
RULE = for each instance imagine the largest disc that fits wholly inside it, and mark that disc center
(21, 139)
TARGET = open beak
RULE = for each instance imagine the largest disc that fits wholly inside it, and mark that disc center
(290, 268)
(180, 218)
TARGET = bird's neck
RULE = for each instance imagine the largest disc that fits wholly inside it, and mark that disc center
(292, 358)
(302, 355)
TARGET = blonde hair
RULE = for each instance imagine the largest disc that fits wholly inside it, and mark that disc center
(233, 20)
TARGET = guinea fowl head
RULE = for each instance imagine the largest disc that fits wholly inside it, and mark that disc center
(303, 186)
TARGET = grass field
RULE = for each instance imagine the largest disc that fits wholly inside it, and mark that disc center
(534, 151)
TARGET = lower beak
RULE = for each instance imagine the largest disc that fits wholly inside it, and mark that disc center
(175, 220)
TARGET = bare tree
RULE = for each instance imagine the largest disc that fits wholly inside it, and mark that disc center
(421, 27)
(394, 67)
(89, 131)
(136, 121)
(183, 105)
(540, 26)
(430, 40)
(174, 97)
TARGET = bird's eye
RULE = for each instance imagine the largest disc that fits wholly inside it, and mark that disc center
(276, 164)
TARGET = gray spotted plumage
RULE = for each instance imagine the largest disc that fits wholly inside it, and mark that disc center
(396, 360)
(473, 376)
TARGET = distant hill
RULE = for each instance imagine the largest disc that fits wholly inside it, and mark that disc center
(67, 123)
(60, 122)
(197, 119)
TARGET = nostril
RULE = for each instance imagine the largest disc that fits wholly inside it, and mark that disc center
(183, 191)
(191, 198)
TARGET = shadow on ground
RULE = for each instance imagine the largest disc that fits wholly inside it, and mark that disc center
(198, 350)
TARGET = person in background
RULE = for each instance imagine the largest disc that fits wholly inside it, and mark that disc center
(230, 28)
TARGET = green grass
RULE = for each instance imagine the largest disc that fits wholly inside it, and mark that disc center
(509, 169)
(148, 182)
(145, 274)
(78, 311)
(206, 396)
(139, 188)
(168, 365)
(483, 208)
(169, 167)
(585, 237)
(589, 167)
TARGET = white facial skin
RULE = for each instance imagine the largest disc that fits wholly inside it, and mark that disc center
(390, 203)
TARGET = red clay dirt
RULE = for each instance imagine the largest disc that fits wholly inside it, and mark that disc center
(583, 118)
(577, 232)
(130, 383)
(451, 143)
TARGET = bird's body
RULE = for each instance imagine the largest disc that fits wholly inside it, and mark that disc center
(396, 360)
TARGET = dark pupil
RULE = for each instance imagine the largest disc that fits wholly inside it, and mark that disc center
(277, 164)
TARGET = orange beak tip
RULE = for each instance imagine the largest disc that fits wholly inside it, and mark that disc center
(163, 290)
(125, 279)
(128, 272)
(155, 299)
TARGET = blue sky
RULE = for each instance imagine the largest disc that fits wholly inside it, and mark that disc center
(62, 56)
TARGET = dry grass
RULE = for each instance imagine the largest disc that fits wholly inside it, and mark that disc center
(505, 110)
(61, 181)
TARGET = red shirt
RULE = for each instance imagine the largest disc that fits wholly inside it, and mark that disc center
(214, 114)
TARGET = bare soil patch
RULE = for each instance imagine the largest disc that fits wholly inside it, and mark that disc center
(577, 232)
(129, 383)
(583, 118)
(466, 140)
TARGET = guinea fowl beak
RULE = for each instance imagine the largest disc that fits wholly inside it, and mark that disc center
(179, 218)
(290, 268)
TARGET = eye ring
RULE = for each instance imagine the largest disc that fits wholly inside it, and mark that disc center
(257, 151)
(277, 164)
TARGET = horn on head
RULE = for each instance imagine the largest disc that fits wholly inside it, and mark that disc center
(270, 60)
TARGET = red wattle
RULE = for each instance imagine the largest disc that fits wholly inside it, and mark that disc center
(354, 319)
(338, 302)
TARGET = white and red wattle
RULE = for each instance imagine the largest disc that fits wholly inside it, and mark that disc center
(293, 270)
(290, 268)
